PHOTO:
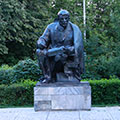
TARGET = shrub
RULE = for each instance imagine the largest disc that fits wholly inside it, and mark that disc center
(105, 91)
(17, 94)
(5, 74)
(25, 69)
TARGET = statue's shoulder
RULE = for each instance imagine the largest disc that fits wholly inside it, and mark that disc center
(74, 26)
(52, 25)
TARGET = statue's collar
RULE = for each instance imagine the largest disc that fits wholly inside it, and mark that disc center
(60, 28)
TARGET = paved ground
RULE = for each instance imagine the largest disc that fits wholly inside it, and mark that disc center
(96, 113)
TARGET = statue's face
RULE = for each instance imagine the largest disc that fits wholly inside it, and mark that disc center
(63, 20)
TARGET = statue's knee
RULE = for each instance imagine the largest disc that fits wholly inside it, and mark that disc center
(40, 52)
(37, 51)
(41, 55)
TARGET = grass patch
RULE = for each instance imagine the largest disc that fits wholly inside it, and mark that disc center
(12, 106)
(108, 105)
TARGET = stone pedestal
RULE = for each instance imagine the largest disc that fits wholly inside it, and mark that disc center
(62, 96)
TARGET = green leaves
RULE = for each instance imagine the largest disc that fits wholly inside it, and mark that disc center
(20, 27)
(105, 91)
(22, 22)
(103, 35)
(17, 94)
(3, 49)
(26, 69)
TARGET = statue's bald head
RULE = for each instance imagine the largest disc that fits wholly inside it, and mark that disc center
(63, 12)
(63, 16)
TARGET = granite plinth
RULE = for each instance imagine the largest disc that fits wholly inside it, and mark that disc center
(62, 96)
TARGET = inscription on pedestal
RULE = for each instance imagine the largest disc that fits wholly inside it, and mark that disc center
(42, 105)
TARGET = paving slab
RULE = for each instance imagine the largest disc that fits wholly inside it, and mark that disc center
(8, 116)
(22, 114)
(96, 113)
(114, 112)
(64, 115)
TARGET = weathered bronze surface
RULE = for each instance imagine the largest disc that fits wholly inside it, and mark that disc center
(60, 51)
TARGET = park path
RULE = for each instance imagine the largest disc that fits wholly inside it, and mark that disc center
(96, 113)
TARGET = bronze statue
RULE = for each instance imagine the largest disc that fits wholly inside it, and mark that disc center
(60, 51)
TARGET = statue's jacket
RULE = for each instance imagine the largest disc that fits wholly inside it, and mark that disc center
(49, 34)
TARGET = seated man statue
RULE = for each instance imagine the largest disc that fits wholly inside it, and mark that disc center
(60, 51)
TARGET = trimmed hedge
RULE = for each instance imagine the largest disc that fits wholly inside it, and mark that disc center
(104, 92)
(17, 94)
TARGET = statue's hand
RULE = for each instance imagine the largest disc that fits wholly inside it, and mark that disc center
(62, 48)
(69, 49)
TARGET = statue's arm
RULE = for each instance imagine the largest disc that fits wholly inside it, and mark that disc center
(44, 40)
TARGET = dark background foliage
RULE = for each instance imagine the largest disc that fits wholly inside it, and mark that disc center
(23, 21)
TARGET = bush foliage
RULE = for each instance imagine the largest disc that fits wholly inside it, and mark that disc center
(25, 69)
(23, 21)
(104, 92)
(5, 74)
(17, 94)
